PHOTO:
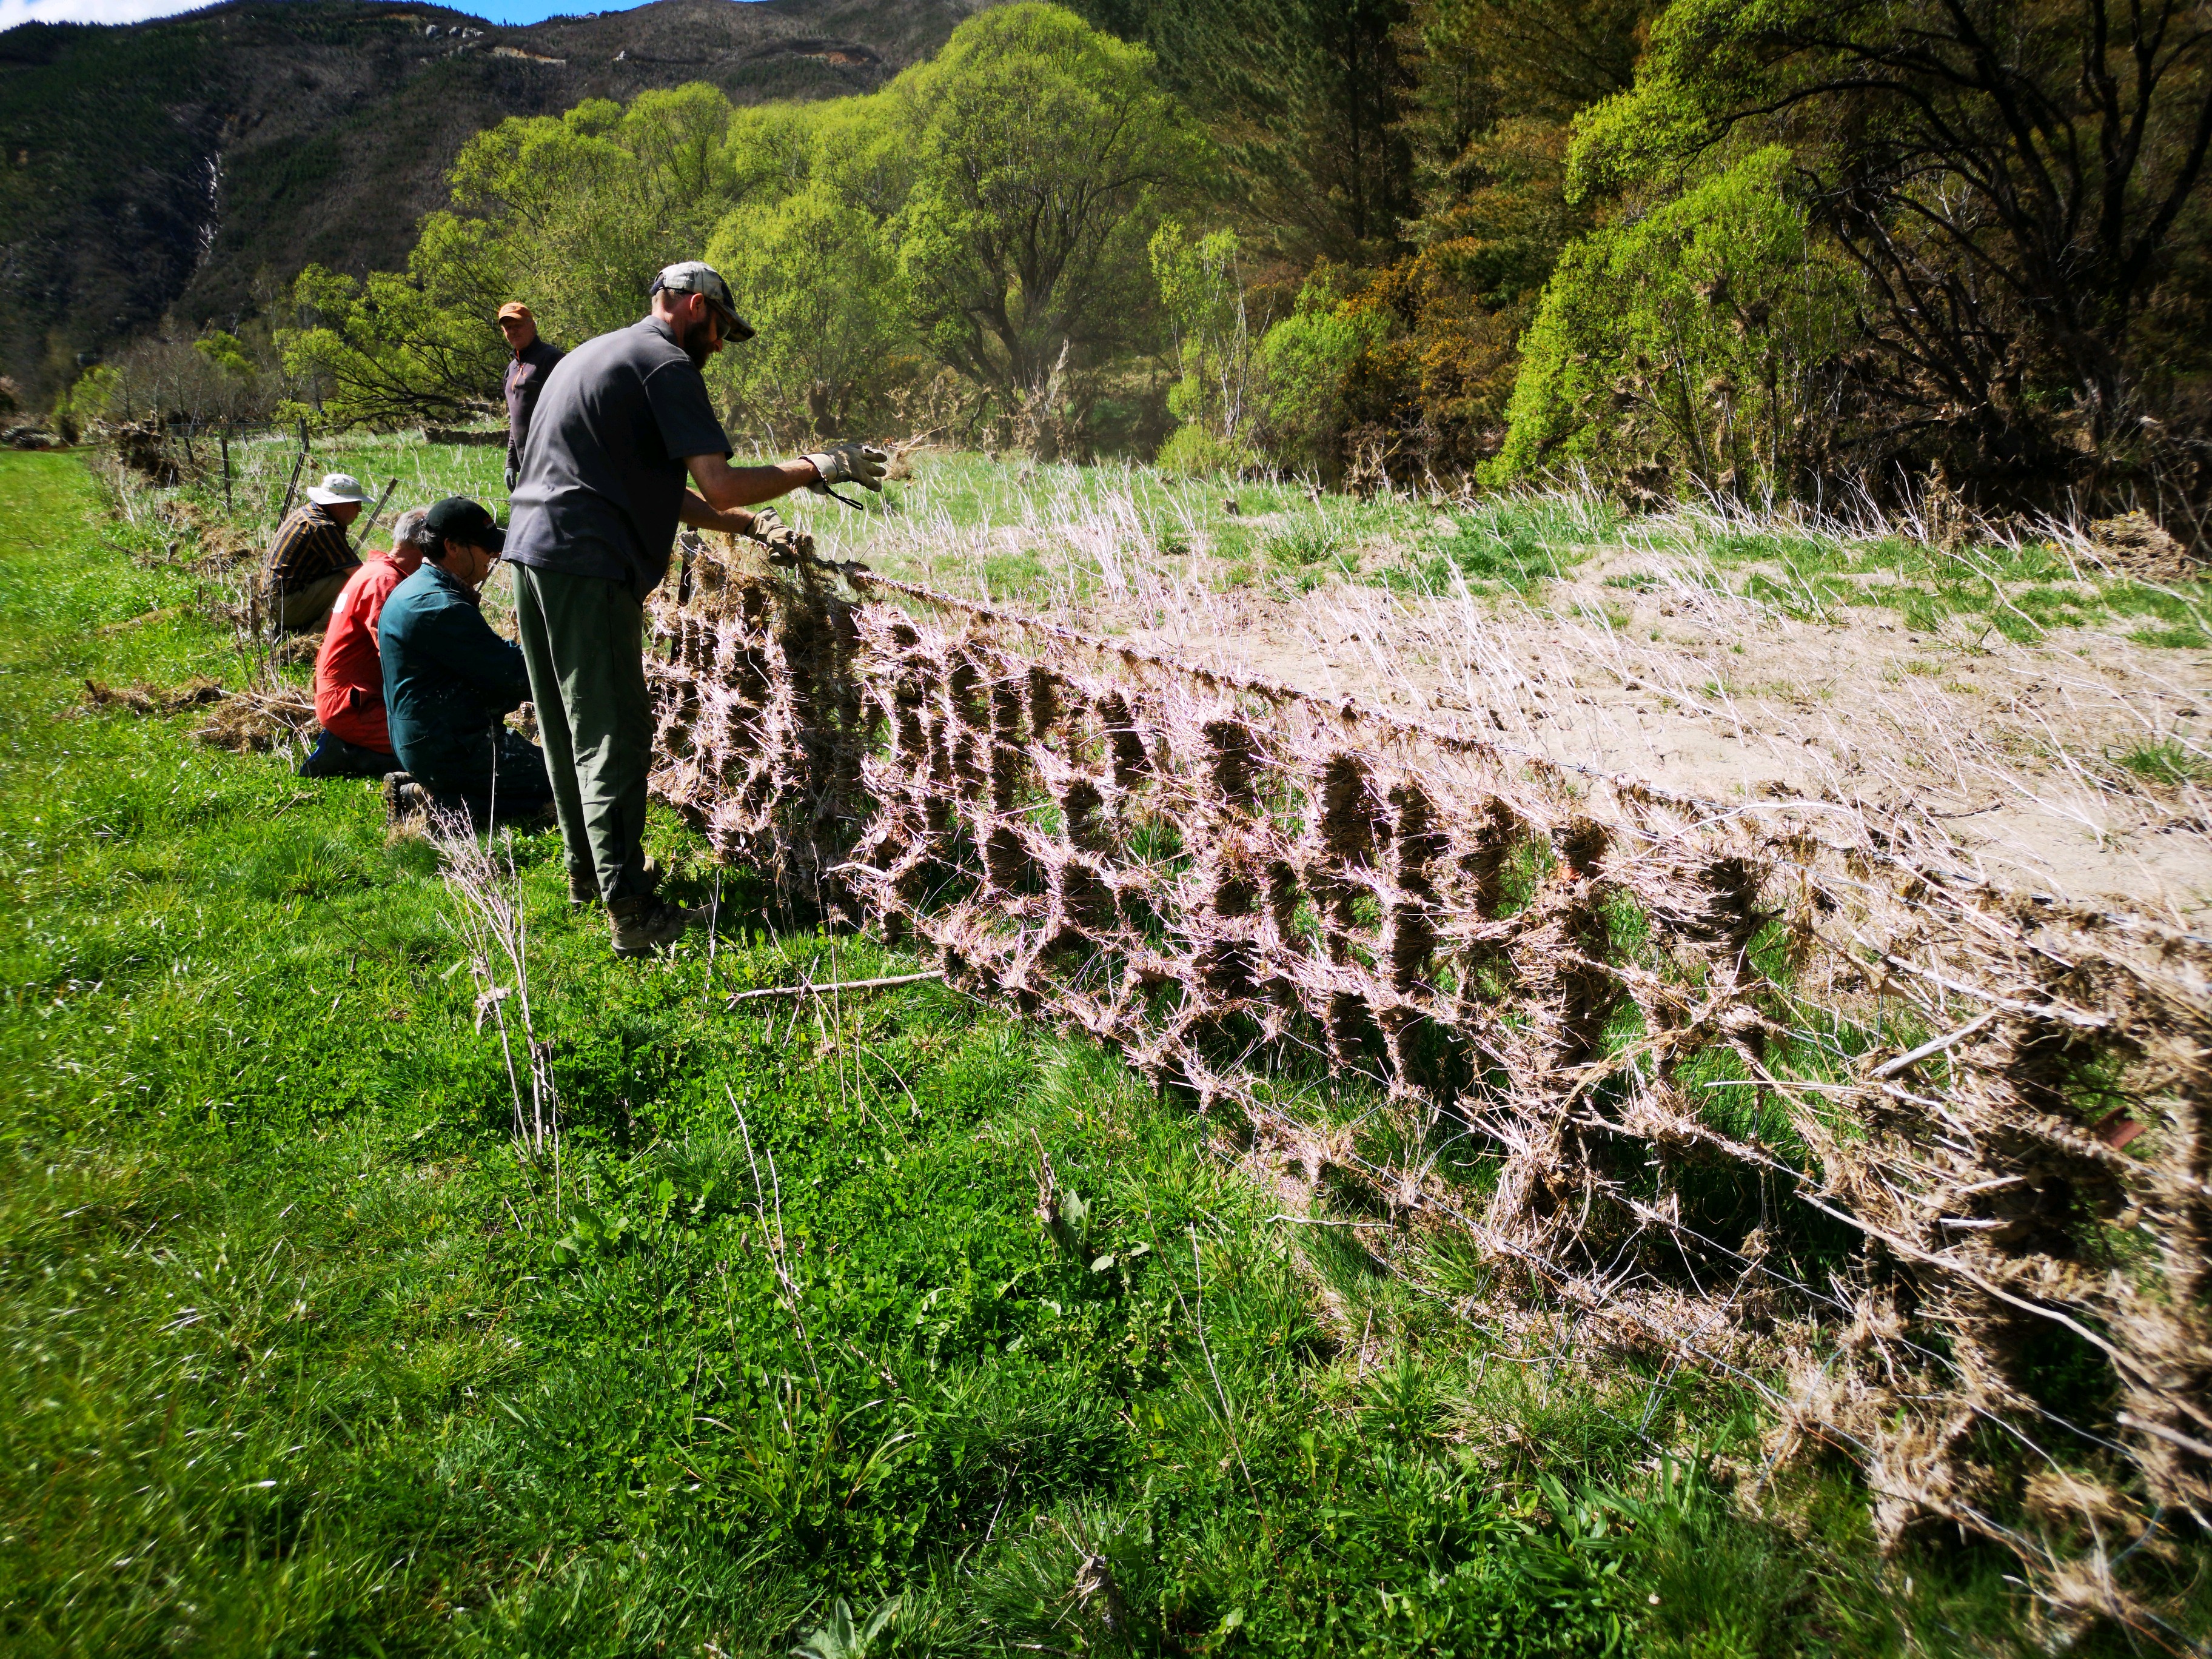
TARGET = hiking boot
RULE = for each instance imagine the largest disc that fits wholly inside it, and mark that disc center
(403, 798)
(644, 925)
(584, 885)
(320, 761)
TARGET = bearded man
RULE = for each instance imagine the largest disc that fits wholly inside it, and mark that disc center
(623, 418)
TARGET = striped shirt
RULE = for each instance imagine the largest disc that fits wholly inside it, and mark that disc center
(310, 545)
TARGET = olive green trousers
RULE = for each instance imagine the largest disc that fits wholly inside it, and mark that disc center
(583, 642)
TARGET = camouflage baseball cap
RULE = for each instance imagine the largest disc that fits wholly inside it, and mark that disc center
(697, 276)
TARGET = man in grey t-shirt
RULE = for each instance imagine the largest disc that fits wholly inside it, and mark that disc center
(623, 420)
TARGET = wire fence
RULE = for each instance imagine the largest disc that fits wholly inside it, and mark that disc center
(1923, 1163)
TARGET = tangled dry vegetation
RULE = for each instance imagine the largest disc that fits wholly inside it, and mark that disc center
(2023, 703)
(270, 711)
(251, 721)
(1921, 1157)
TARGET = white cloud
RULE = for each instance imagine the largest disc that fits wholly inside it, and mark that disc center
(13, 12)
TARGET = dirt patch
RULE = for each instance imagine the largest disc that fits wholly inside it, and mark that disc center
(2076, 765)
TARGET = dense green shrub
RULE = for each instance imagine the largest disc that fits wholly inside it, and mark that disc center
(1217, 354)
(1305, 360)
(1428, 388)
(1423, 351)
(1692, 347)
(1194, 450)
(91, 397)
(2024, 187)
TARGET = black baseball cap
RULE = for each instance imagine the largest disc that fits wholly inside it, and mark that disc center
(458, 518)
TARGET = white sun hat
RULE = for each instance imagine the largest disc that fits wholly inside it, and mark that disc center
(335, 490)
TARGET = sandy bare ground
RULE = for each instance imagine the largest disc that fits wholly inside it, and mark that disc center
(1999, 760)
(1997, 755)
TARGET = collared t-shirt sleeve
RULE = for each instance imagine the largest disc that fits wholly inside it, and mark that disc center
(601, 490)
(309, 546)
(676, 393)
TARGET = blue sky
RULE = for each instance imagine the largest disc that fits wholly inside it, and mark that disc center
(13, 12)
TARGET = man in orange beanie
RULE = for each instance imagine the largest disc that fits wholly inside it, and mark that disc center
(525, 377)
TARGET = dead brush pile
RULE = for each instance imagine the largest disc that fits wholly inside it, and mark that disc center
(222, 545)
(255, 722)
(246, 722)
(145, 699)
(1925, 1164)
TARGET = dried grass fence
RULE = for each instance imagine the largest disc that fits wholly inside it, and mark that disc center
(1925, 1165)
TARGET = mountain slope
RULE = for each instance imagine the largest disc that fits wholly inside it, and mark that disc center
(177, 164)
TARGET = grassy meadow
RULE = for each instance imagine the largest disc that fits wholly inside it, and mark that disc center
(306, 1353)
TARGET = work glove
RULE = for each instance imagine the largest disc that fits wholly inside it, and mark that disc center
(854, 462)
(784, 544)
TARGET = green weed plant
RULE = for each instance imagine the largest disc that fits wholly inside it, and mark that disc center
(1504, 545)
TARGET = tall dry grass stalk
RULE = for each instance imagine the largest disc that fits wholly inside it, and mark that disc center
(487, 916)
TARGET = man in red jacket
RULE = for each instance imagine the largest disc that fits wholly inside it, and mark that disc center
(356, 742)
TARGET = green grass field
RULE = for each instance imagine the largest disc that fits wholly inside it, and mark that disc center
(305, 1355)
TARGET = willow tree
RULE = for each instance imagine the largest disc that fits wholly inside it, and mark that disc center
(1041, 151)
(587, 206)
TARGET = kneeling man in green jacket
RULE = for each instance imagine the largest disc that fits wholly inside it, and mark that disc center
(449, 680)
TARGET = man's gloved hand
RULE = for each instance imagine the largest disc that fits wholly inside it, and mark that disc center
(854, 462)
(784, 544)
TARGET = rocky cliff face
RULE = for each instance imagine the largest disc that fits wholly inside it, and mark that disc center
(193, 164)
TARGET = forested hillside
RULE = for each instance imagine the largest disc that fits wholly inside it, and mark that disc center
(177, 164)
(1954, 253)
